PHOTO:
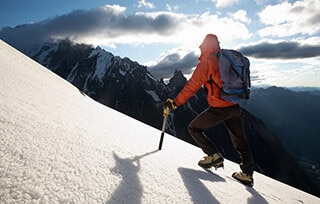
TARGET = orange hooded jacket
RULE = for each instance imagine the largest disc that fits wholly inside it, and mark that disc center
(206, 69)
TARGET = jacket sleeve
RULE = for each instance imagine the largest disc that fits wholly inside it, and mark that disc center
(198, 78)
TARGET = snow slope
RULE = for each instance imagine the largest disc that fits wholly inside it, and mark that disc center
(59, 146)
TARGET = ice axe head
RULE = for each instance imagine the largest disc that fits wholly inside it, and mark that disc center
(166, 111)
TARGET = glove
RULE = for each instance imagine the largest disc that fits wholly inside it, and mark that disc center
(168, 107)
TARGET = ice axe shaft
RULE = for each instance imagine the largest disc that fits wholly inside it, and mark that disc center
(162, 132)
(163, 128)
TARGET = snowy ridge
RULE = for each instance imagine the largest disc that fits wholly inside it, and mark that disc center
(59, 146)
(102, 60)
(42, 58)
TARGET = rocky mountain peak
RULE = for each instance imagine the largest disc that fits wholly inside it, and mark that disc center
(178, 80)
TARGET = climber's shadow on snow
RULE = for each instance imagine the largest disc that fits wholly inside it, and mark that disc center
(256, 197)
(130, 187)
(197, 190)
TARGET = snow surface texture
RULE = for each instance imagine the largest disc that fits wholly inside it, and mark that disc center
(59, 146)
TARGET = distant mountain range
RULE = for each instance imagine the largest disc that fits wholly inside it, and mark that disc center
(286, 117)
(311, 90)
(294, 117)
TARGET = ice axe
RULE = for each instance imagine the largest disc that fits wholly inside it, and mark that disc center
(166, 112)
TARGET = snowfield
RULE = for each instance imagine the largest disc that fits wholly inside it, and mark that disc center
(57, 145)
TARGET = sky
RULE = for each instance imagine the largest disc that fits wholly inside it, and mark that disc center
(51, 153)
(281, 38)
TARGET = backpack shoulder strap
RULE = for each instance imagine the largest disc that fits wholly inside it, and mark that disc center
(210, 80)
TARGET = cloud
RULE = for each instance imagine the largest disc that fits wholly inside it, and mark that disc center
(172, 8)
(288, 19)
(225, 3)
(166, 66)
(106, 23)
(109, 25)
(275, 52)
(144, 3)
(281, 50)
(285, 72)
(241, 15)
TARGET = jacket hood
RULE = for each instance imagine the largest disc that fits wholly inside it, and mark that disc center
(209, 45)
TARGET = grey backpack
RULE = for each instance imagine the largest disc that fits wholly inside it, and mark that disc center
(234, 74)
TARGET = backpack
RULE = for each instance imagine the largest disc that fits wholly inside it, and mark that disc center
(234, 74)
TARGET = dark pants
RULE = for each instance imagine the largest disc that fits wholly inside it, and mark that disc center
(231, 116)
